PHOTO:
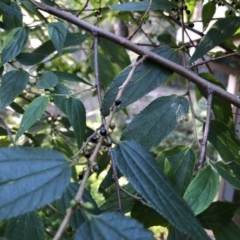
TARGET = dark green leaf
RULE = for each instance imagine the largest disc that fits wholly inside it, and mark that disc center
(221, 108)
(79, 216)
(30, 179)
(111, 226)
(208, 11)
(218, 214)
(224, 141)
(182, 161)
(229, 231)
(57, 32)
(9, 9)
(3, 132)
(117, 53)
(142, 171)
(60, 101)
(219, 32)
(62, 146)
(25, 227)
(103, 161)
(77, 116)
(30, 59)
(47, 80)
(10, 20)
(33, 112)
(202, 190)
(13, 83)
(17, 108)
(70, 77)
(174, 234)
(14, 43)
(144, 5)
(146, 78)
(229, 172)
(161, 116)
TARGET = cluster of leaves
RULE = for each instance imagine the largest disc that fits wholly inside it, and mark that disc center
(38, 169)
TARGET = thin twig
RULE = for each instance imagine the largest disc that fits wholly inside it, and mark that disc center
(84, 7)
(206, 130)
(7, 129)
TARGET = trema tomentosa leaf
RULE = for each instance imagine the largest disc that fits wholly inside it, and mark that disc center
(76, 114)
(202, 190)
(147, 178)
(47, 80)
(109, 226)
(220, 31)
(13, 83)
(14, 43)
(9, 9)
(156, 121)
(30, 179)
(33, 112)
(57, 32)
(25, 227)
(146, 78)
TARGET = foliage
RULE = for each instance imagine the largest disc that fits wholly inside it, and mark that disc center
(57, 68)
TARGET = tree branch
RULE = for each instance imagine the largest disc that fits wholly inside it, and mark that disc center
(140, 50)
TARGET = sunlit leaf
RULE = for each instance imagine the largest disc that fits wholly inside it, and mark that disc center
(47, 80)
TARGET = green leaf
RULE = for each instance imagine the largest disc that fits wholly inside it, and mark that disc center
(70, 77)
(3, 132)
(144, 5)
(62, 146)
(142, 171)
(208, 11)
(103, 161)
(219, 32)
(222, 109)
(202, 190)
(117, 53)
(229, 231)
(9, 9)
(60, 101)
(107, 70)
(182, 161)
(13, 83)
(146, 78)
(47, 80)
(10, 20)
(110, 226)
(43, 176)
(218, 214)
(57, 32)
(229, 172)
(79, 216)
(14, 43)
(33, 112)
(161, 116)
(77, 116)
(111, 204)
(224, 141)
(174, 234)
(25, 227)
(17, 108)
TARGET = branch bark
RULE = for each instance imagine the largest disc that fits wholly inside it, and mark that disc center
(191, 76)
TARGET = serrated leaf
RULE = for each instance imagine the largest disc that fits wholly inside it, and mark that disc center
(9, 9)
(79, 216)
(218, 214)
(202, 190)
(47, 80)
(144, 174)
(25, 227)
(219, 32)
(182, 161)
(161, 116)
(33, 112)
(146, 78)
(110, 226)
(57, 32)
(60, 101)
(13, 83)
(144, 5)
(207, 13)
(76, 114)
(229, 172)
(70, 77)
(224, 141)
(229, 231)
(10, 20)
(14, 43)
(42, 178)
